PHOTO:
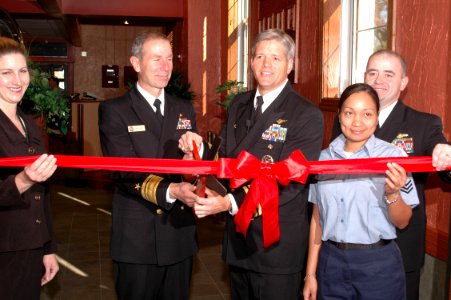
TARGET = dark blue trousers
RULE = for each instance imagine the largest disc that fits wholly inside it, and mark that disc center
(250, 285)
(370, 274)
(144, 282)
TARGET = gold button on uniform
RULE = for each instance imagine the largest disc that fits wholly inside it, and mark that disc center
(270, 146)
(159, 211)
(37, 197)
(182, 207)
(38, 221)
(31, 150)
(267, 159)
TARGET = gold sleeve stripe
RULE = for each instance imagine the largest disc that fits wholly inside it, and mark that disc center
(257, 212)
(246, 188)
(149, 188)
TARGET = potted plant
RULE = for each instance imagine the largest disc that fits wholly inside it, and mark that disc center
(50, 105)
(229, 90)
(177, 87)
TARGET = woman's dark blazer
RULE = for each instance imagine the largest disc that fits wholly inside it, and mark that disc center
(25, 219)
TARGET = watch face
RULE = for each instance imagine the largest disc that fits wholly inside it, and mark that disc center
(388, 201)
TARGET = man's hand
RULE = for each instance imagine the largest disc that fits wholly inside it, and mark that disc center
(186, 142)
(212, 204)
(51, 268)
(184, 192)
(441, 156)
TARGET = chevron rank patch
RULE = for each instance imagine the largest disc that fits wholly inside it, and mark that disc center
(408, 187)
(404, 142)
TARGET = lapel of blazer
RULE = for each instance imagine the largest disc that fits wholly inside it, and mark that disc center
(145, 113)
(393, 125)
(10, 130)
(239, 127)
(171, 117)
(269, 116)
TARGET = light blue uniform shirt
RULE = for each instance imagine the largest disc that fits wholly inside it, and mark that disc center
(352, 207)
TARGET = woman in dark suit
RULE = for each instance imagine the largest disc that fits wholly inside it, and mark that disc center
(27, 244)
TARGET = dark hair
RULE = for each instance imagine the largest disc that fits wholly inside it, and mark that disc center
(9, 46)
(141, 38)
(394, 54)
(357, 88)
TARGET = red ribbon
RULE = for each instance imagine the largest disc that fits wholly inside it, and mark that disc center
(224, 167)
(265, 176)
(264, 189)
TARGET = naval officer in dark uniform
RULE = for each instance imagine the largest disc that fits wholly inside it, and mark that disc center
(270, 122)
(153, 231)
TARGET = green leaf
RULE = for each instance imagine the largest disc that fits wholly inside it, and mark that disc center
(228, 90)
(50, 103)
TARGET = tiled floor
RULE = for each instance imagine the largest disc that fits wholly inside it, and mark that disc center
(82, 226)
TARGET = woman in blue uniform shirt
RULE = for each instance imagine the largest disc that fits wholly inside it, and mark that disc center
(352, 254)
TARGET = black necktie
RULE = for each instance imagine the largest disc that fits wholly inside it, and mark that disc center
(258, 110)
(157, 104)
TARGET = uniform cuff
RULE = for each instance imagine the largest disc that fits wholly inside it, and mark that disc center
(149, 188)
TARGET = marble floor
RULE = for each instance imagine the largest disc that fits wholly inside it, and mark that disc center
(82, 225)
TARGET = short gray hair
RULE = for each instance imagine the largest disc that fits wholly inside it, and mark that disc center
(141, 38)
(394, 54)
(277, 35)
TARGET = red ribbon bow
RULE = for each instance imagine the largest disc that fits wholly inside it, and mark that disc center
(264, 189)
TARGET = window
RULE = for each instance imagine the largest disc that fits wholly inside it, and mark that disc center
(238, 32)
(57, 70)
(352, 31)
(48, 49)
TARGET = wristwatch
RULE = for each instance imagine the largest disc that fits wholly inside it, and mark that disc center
(388, 202)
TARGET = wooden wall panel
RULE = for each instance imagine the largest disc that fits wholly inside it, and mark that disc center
(104, 45)
(206, 50)
(421, 35)
(309, 49)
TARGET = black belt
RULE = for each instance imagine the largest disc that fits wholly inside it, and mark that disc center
(348, 246)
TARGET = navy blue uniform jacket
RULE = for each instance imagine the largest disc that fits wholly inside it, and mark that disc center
(147, 231)
(304, 126)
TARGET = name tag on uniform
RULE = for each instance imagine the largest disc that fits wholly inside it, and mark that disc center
(136, 128)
